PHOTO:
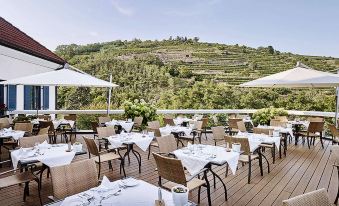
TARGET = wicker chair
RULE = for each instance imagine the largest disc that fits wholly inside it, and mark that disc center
(74, 178)
(335, 133)
(269, 132)
(281, 118)
(314, 198)
(241, 126)
(27, 127)
(218, 134)
(45, 117)
(100, 157)
(103, 120)
(204, 126)
(52, 132)
(154, 124)
(137, 123)
(315, 119)
(277, 123)
(196, 133)
(104, 132)
(154, 143)
(43, 131)
(172, 170)
(233, 126)
(94, 126)
(5, 123)
(169, 121)
(15, 177)
(314, 130)
(247, 157)
(335, 153)
(167, 144)
(27, 142)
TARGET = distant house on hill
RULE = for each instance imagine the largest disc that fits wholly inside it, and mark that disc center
(20, 55)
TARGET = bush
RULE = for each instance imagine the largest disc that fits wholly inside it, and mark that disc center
(264, 116)
(140, 108)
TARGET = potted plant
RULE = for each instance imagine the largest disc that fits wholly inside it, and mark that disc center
(264, 116)
(180, 195)
(140, 108)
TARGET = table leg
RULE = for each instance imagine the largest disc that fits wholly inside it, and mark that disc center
(137, 155)
(217, 176)
(1, 144)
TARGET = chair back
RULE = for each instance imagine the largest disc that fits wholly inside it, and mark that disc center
(154, 124)
(27, 127)
(138, 121)
(315, 119)
(314, 198)
(26, 142)
(156, 131)
(267, 131)
(169, 121)
(277, 123)
(91, 146)
(215, 120)
(74, 178)
(198, 126)
(170, 169)
(44, 117)
(43, 131)
(243, 141)
(232, 123)
(71, 117)
(204, 122)
(103, 120)
(105, 131)
(5, 123)
(44, 124)
(281, 118)
(241, 126)
(94, 126)
(218, 133)
(167, 144)
(316, 127)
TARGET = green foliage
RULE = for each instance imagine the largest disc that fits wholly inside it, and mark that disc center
(264, 116)
(140, 108)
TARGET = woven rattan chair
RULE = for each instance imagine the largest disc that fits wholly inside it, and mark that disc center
(43, 131)
(277, 123)
(15, 177)
(281, 118)
(52, 132)
(314, 198)
(335, 133)
(167, 144)
(204, 126)
(315, 119)
(103, 133)
(169, 121)
(94, 126)
(269, 132)
(27, 142)
(74, 178)
(172, 170)
(233, 126)
(154, 124)
(5, 123)
(137, 126)
(196, 133)
(27, 127)
(218, 134)
(154, 143)
(103, 120)
(335, 153)
(45, 117)
(100, 157)
(314, 130)
(241, 126)
(247, 157)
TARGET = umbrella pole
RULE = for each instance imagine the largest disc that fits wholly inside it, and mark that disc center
(109, 96)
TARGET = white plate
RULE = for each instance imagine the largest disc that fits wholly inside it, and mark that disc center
(130, 182)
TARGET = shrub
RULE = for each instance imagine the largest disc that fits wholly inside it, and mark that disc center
(140, 108)
(264, 116)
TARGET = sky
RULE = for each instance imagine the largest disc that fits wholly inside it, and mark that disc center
(309, 27)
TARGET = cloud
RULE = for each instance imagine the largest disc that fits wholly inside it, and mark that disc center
(122, 10)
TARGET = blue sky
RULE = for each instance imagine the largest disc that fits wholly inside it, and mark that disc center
(299, 26)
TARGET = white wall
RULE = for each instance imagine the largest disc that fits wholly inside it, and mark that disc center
(19, 97)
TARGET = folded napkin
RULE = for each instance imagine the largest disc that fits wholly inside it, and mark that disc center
(44, 145)
(8, 129)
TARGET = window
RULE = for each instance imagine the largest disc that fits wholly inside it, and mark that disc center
(32, 97)
(46, 97)
(11, 100)
(2, 95)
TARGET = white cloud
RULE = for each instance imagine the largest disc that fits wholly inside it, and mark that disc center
(122, 10)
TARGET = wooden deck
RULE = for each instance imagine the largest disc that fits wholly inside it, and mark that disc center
(302, 170)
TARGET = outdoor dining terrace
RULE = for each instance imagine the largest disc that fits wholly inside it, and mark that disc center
(289, 167)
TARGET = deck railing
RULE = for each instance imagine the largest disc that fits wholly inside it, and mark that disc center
(175, 111)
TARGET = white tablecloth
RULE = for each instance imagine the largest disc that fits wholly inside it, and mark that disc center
(256, 139)
(15, 134)
(288, 130)
(180, 120)
(141, 140)
(304, 123)
(127, 126)
(169, 129)
(57, 123)
(247, 120)
(143, 194)
(195, 157)
(50, 155)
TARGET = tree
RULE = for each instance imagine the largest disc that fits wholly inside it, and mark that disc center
(270, 49)
(196, 39)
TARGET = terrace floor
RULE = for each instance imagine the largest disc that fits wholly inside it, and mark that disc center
(302, 170)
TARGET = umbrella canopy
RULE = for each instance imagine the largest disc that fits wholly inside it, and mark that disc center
(299, 77)
(62, 77)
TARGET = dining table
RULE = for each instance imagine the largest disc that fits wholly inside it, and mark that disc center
(7, 134)
(125, 125)
(196, 157)
(298, 125)
(130, 139)
(124, 192)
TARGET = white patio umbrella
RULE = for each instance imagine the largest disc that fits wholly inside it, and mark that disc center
(299, 77)
(61, 77)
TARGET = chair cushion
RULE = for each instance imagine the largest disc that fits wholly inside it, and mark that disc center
(193, 184)
(106, 157)
(267, 145)
(244, 158)
(309, 134)
(154, 144)
(16, 179)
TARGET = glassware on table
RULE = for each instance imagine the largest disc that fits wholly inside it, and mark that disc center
(236, 147)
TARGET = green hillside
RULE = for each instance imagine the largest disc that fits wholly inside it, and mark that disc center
(184, 73)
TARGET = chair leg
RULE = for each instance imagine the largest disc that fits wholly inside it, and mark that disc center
(39, 191)
(260, 165)
(123, 167)
(110, 165)
(149, 152)
(273, 153)
(336, 199)
(199, 194)
(321, 140)
(249, 169)
(99, 170)
(226, 173)
(208, 189)
(308, 143)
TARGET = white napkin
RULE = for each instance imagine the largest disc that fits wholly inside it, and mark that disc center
(44, 145)
(8, 129)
